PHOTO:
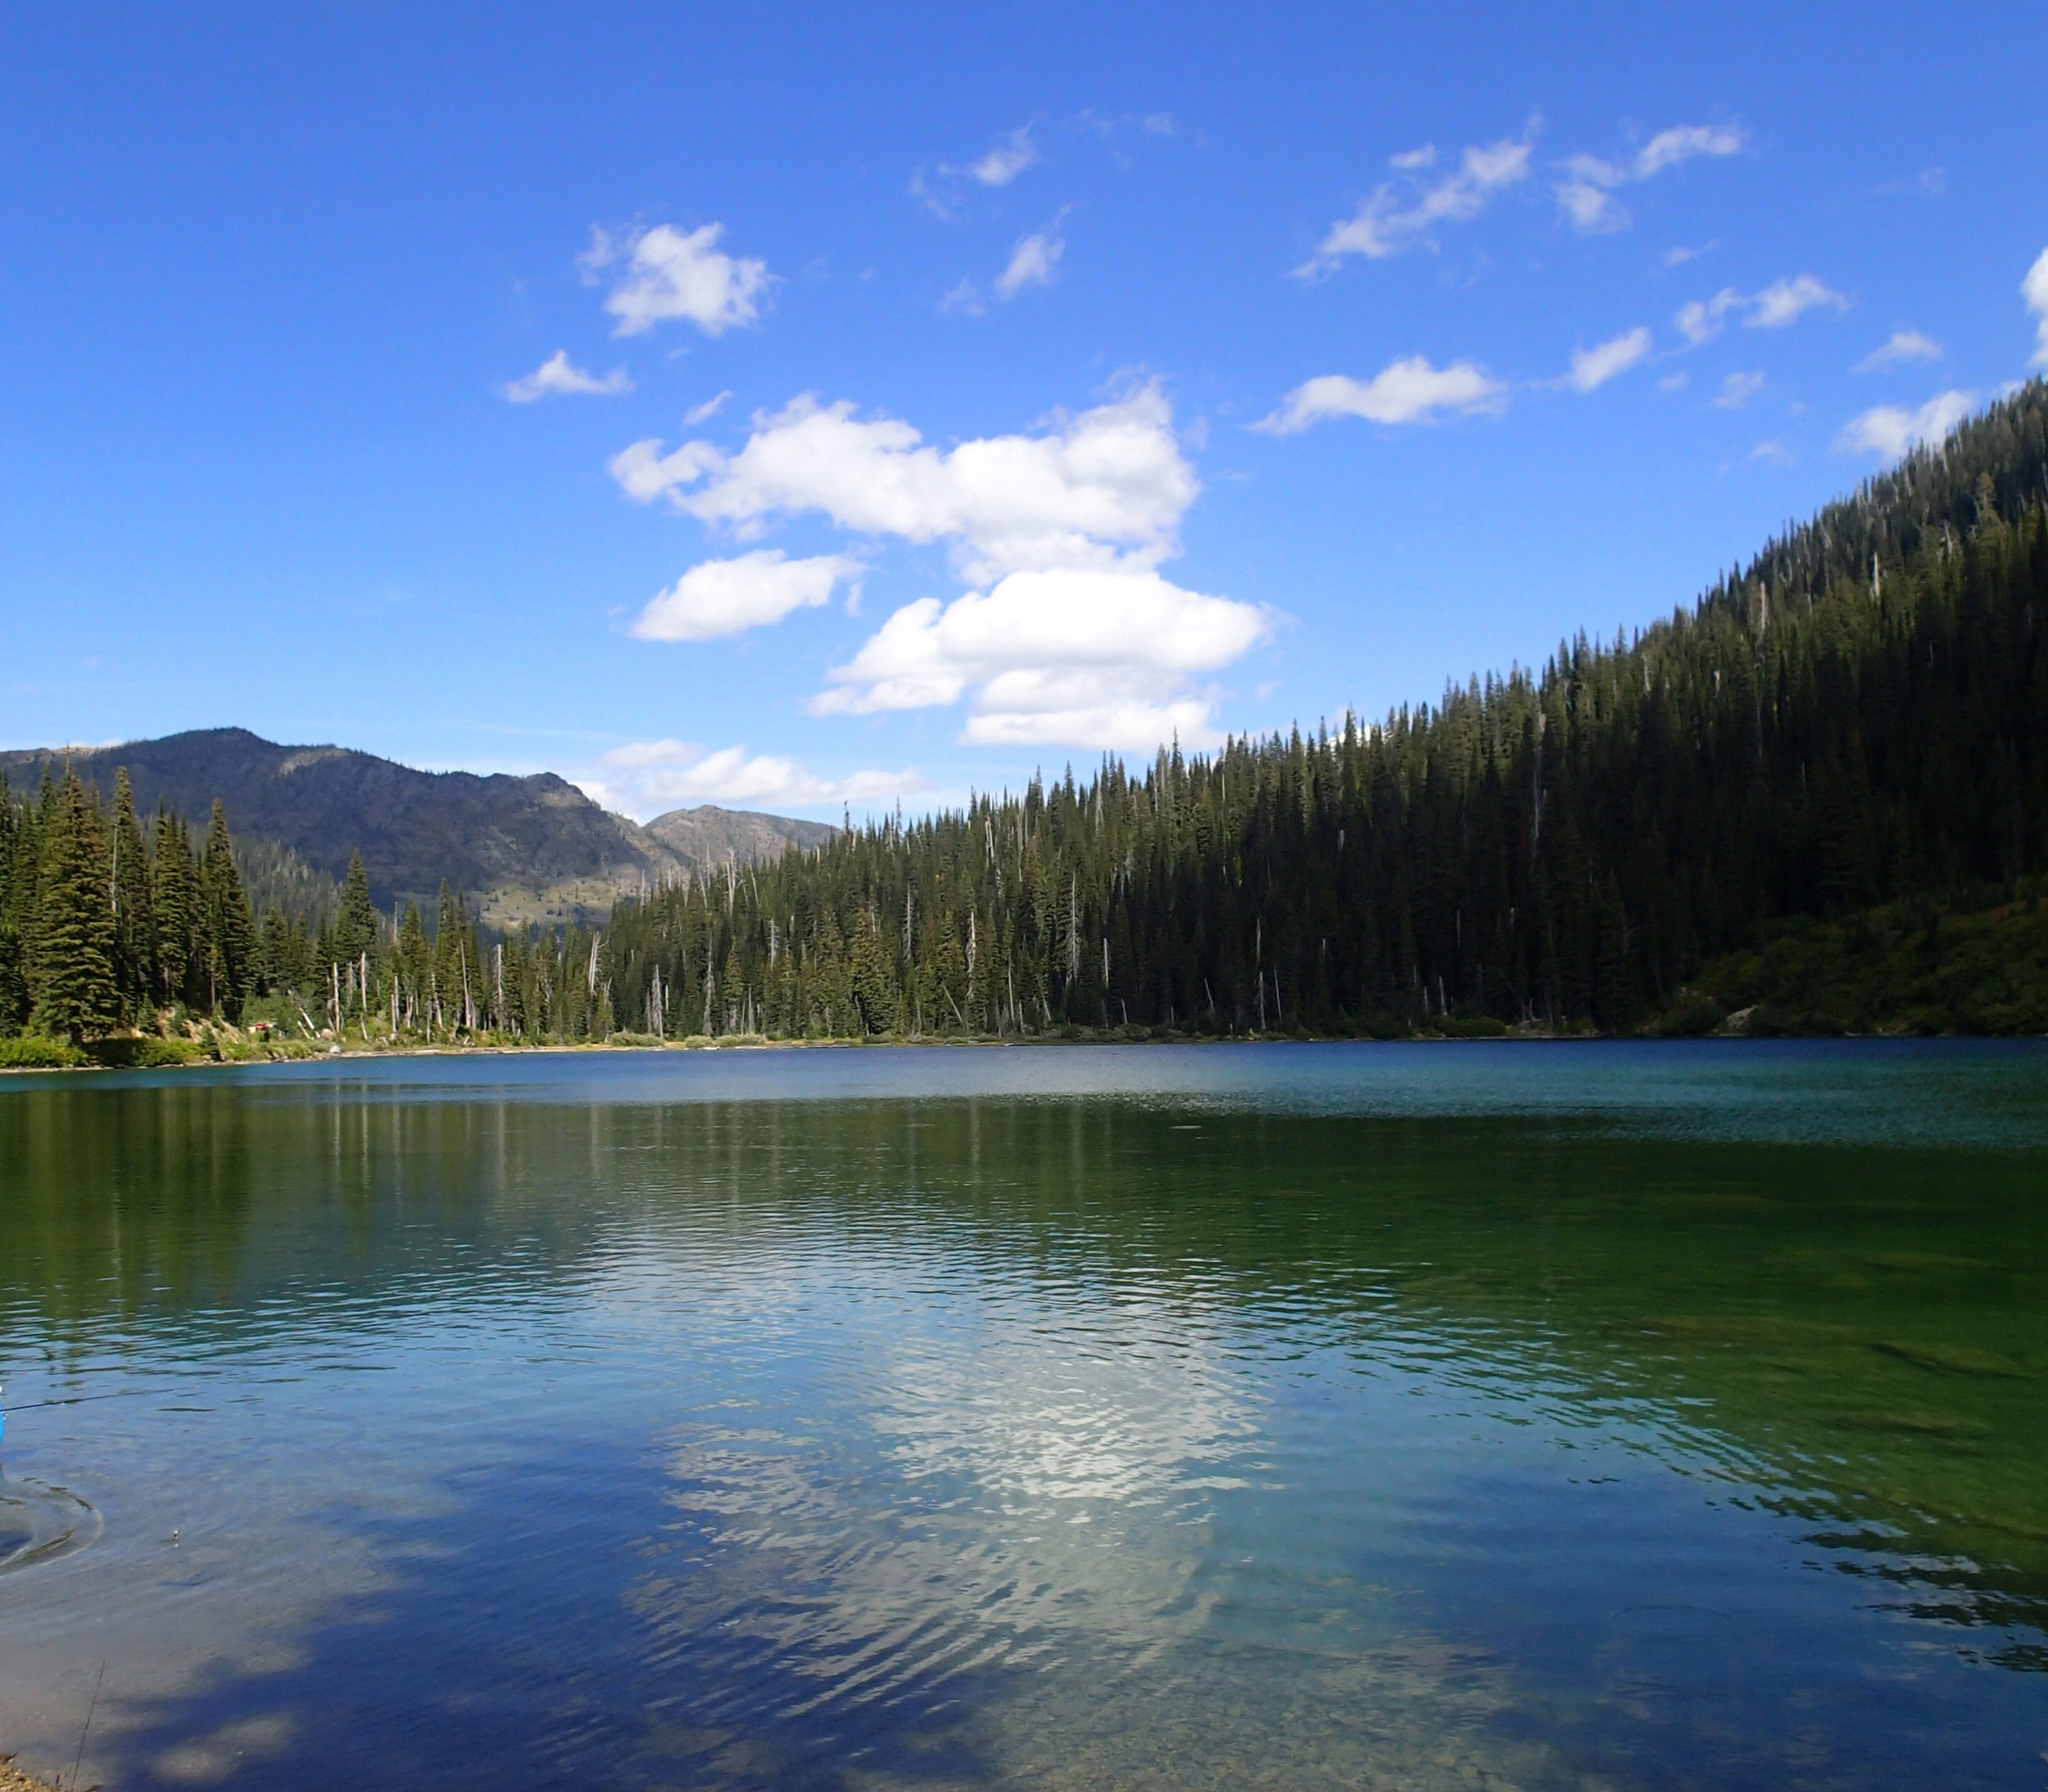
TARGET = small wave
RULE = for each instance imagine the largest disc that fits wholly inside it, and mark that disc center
(38, 1523)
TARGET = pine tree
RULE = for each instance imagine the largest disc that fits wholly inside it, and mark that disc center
(72, 970)
(227, 929)
(134, 912)
(357, 927)
(14, 873)
(174, 904)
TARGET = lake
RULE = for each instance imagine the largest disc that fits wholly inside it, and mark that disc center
(1610, 1416)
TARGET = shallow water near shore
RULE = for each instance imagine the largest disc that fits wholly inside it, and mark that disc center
(1608, 1416)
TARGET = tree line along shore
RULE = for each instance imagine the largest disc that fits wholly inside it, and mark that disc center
(1815, 802)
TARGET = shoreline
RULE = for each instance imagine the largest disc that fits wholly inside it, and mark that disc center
(933, 1042)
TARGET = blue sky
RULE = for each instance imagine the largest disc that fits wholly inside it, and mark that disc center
(792, 406)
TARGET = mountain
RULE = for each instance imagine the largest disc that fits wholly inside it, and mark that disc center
(704, 839)
(528, 848)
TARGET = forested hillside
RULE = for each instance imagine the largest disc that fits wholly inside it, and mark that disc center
(1860, 714)
(1775, 795)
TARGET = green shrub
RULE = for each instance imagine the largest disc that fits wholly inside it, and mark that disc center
(30, 1053)
(141, 1053)
(639, 1039)
(1768, 1021)
(1694, 1018)
(1483, 1026)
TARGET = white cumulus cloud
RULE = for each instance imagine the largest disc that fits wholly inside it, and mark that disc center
(555, 377)
(1072, 637)
(1108, 484)
(650, 776)
(1080, 656)
(1903, 345)
(670, 275)
(727, 597)
(1585, 192)
(1405, 391)
(1890, 431)
(1591, 367)
(1398, 215)
(2034, 289)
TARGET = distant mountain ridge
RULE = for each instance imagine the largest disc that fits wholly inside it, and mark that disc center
(706, 838)
(528, 848)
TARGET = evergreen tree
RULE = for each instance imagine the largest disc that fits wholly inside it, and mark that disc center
(15, 873)
(133, 911)
(176, 907)
(227, 929)
(72, 970)
(357, 927)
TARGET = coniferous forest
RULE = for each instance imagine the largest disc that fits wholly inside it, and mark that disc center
(1838, 750)
(1858, 719)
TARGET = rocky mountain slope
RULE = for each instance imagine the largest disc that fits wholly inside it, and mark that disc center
(528, 848)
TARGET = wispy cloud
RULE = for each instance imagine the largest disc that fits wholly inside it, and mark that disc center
(1033, 262)
(1779, 305)
(1683, 143)
(1593, 367)
(1737, 391)
(704, 413)
(1586, 190)
(1890, 431)
(1399, 214)
(1000, 165)
(964, 298)
(555, 377)
(1772, 454)
(1929, 183)
(1903, 345)
(1109, 126)
(940, 189)
(670, 275)
(1784, 302)
(1699, 320)
(1405, 391)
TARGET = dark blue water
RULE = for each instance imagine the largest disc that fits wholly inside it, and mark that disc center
(1603, 1416)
